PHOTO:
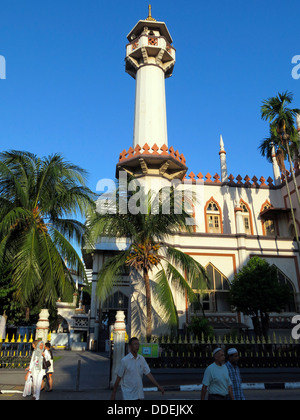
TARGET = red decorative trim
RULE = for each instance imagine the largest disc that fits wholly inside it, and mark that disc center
(146, 150)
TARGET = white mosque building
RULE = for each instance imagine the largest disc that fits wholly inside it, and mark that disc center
(237, 218)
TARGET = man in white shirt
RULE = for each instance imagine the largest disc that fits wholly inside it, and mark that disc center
(130, 374)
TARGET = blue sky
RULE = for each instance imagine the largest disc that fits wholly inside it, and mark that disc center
(67, 91)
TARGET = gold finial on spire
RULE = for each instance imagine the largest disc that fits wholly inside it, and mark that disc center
(150, 14)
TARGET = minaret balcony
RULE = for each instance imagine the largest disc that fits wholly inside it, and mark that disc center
(150, 49)
(146, 160)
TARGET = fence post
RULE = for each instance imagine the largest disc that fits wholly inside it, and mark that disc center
(3, 326)
(78, 375)
(42, 327)
(119, 332)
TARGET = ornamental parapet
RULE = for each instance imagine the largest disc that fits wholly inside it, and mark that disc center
(238, 181)
(154, 151)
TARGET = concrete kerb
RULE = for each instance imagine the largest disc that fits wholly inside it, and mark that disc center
(245, 386)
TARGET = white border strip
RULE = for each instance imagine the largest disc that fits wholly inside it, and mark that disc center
(256, 386)
(189, 388)
(292, 385)
(12, 391)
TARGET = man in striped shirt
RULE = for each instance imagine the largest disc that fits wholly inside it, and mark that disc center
(234, 373)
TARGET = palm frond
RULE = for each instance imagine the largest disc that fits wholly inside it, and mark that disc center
(164, 297)
(108, 274)
(195, 273)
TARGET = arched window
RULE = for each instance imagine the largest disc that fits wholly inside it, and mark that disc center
(268, 222)
(283, 279)
(213, 217)
(247, 220)
(215, 298)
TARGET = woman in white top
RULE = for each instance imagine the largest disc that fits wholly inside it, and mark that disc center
(28, 377)
(37, 370)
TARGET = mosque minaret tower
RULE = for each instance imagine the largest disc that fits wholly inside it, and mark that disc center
(150, 59)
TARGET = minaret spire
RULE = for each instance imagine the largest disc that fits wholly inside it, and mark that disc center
(276, 170)
(150, 14)
(222, 153)
(298, 123)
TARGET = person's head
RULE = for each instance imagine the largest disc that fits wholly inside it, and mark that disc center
(134, 345)
(48, 346)
(219, 356)
(41, 345)
(233, 356)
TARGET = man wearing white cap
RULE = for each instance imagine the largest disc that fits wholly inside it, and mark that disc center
(216, 379)
(234, 373)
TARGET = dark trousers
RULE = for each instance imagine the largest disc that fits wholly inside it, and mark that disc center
(216, 397)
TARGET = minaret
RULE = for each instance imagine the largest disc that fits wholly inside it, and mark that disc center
(150, 59)
(298, 122)
(276, 170)
(222, 153)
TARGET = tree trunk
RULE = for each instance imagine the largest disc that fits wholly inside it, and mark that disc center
(27, 314)
(293, 173)
(265, 321)
(256, 325)
(292, 210)
(148, 306)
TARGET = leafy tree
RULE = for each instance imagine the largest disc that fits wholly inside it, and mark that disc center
(284, 139)
(257, 292)
(159, 264)
(38, 197)
(199, 326)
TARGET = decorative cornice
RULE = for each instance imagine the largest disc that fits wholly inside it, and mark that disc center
(154, 151)
(232, 181)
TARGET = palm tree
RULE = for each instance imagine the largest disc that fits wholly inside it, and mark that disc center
(149, 253)
(283, 136)
(38, 197)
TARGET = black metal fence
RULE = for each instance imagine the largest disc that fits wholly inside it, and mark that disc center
(15, 355)
(271, 353)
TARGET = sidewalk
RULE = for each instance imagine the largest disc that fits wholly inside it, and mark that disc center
(93, 383)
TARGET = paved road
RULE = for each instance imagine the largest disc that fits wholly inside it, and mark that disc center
(266, 395)
(94, 380)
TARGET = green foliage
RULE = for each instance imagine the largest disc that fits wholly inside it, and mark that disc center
(283, 133)
(148, 232)
(256, 288)
(200, 327)
(38, 197)
(257, 292)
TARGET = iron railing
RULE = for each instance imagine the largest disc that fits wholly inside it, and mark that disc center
(259, 353)
(15, 354)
